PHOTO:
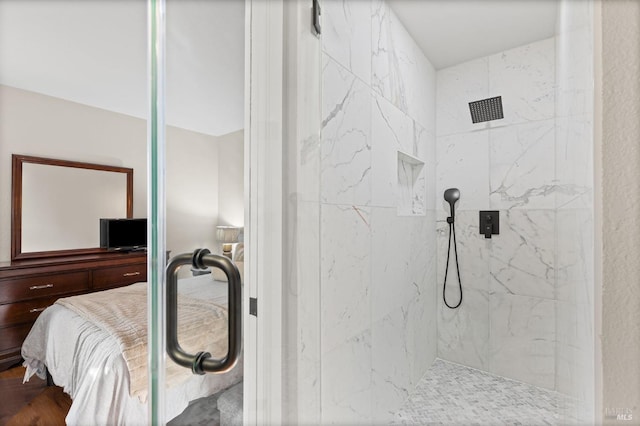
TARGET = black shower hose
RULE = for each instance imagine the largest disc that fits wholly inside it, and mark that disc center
(452, 231)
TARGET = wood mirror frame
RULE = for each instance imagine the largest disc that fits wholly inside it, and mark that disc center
(17, 197)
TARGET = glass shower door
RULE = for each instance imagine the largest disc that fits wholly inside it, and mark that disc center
(195, 193)
(156, 212)
(281, 289)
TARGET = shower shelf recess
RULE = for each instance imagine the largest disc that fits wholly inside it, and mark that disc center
(411, 185)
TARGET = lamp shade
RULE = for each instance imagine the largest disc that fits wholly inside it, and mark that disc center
(227, 234)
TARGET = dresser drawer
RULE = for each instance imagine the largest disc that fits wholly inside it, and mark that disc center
(18, 289)
(12, 337)
(118, 276)
(21, 312)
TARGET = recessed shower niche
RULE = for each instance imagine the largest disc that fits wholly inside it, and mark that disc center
(411, 185)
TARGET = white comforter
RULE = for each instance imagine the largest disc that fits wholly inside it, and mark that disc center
(87, 363)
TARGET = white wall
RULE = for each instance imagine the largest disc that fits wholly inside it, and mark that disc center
(40, 125)
(191, 190)
(231, 179)
(377, 239)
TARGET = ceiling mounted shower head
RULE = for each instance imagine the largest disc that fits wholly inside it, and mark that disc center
(452, 195)
(486, 109)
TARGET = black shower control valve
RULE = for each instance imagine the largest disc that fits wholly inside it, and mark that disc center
(489, 223)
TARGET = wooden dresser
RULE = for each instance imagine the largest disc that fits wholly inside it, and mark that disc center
(27, 287)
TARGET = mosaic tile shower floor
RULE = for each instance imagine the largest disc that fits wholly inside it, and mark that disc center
(452, 394)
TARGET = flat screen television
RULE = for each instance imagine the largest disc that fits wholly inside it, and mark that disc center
(123, 234)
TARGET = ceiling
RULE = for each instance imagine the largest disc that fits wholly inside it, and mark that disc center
(450, 32)
(95, 53)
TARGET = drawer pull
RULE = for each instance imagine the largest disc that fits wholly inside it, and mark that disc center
(131, 274)
(36, 310)
(40, 287)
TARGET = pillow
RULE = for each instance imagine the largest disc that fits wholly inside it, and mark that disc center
(238, 254)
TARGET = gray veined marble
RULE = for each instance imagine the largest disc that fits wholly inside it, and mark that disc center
(345, 273)
(522, 166)
(525, 77)
(463, 163)
(463, 333)
(526, 292)
(346, 137)
(399, 70)
(391, 132)
(346, 382)
(523, 255)
(346, 35)
(522, 338)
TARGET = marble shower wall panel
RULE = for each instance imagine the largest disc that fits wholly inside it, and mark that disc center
(426, 141)
(392, 381)
(574, 70)
(574, 162)
(574, 350)
(506, 323)
(575, 362)
(305, 291)
(574, 106)
(422, 329)
(523, 339)
(346, 137)
(400, 258)
(392, 131)
(399, 70)
(463, 333)
(523, 255)
(346, 35)
(575, 278)
(378, 325)
(523, 166)
(403, 309)
(573, 252)
(346, 382)
(525, 78)
(345, 273)
(463, 163)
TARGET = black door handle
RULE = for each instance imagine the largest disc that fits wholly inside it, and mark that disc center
(202, 362)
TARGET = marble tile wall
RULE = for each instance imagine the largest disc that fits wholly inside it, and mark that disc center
(507, 321)
(517, 318)
(575, 363)
(377, 233)
(381, 267)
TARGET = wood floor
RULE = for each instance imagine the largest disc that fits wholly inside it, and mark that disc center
(33, 403)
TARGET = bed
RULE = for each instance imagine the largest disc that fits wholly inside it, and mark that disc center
(88, 362)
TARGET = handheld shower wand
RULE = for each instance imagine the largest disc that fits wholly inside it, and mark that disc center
(452, 195)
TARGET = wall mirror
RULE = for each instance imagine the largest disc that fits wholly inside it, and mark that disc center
(57, 204)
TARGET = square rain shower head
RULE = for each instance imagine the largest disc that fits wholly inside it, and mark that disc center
(486, 109)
